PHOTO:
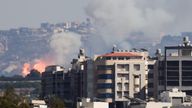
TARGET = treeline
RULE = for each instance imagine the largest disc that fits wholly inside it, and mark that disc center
(18, 78)
(20, 84)
(10, 99)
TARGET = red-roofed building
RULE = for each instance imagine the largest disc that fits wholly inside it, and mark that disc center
(120, 75)
(123, 56)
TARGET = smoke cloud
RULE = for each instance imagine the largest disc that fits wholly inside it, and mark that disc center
(125, 22)
(10, 68)
(65, 47)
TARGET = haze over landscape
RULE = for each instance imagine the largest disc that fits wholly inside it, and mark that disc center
(30, 13)
(95, 53)
(95, 25)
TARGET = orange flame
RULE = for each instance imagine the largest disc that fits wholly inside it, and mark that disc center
(40, 66)
(26, 69)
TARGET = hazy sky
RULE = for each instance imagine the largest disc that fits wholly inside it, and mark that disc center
(31, 13)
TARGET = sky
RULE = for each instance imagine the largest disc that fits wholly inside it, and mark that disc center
(30, 13)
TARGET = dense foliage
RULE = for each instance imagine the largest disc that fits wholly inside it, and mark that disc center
(11, 100)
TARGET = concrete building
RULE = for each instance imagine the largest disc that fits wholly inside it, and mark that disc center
(151, 63)
(82, 77)
(38, 104)
(121, 75)
(55, 82)
(88, 103)
(174, 68)
(171, 99)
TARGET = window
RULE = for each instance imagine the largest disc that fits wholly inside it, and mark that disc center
(123, 76)
(150, 66)
(150, 94)
(119, 94)
(119, 86)
(104, 67)
(137, 67)
(186, 63)
(172, 63)
(126, 76)
(114, 58)
(126, 94)
(121, 58)
(187, 83)
(161, 82)
(108, 58)
(186, 52)
(127, 58)
(106, 95)
(105, 86)
(119, 75)
(173, 83)
(150, 85)
(150, 75)
(123, 67)
(105, 76)
(126, 86)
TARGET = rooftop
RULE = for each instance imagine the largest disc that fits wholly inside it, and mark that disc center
(122, 54)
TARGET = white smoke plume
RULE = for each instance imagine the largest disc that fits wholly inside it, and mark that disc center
(65, 47)
(117, 20)
(10, 68)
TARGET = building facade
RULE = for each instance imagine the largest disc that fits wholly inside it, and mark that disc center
(121, 75)
(55, 82)
(171, 99)
(82, 77)
(88, 103)
(174, 68)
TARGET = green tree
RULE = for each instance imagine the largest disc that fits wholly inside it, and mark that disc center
(24, 105)
(11, 100)
(11, 96)
(4, 103)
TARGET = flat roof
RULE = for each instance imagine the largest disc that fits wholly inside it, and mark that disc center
(121, 54)
(178, 47)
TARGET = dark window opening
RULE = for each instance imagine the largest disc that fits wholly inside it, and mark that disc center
(172, 63)
(172, 83)
(104, 67)
(150, 66)
(186, 83)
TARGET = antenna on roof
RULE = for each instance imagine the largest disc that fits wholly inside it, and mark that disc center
(186, 41)
(114, 48)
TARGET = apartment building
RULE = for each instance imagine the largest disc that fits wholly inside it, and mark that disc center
(55, 82)
(82, 77)
(121, 75)
(174, 68)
